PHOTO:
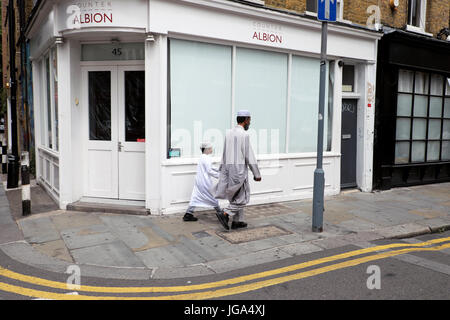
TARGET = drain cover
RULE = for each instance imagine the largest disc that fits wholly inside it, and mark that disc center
(253, 234)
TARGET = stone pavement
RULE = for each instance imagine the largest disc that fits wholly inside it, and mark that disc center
(161, 247)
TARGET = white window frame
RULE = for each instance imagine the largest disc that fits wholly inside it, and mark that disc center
(423, 15)
(283, 154)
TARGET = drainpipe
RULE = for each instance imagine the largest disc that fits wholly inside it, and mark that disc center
(13, 161)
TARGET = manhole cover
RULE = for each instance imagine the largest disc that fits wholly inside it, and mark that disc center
(252, 234)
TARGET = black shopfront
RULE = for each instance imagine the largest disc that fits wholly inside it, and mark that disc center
(412, 116)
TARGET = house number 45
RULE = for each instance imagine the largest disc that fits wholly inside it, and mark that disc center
(117, 51)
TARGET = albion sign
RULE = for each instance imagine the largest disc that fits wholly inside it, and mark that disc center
(90, 12)
(267, 37)
(93, 18)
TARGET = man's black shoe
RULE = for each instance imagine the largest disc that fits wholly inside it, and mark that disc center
(223, 219)
(189, 217)
(237, 225)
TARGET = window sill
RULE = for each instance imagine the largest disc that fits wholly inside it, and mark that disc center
(260, 158)
(418, 30)
(49, 151)
(311, 14)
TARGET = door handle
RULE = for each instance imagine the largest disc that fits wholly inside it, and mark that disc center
(346, 136)
(119, 146)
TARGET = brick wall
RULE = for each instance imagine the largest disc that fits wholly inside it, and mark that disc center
(437, 16)
(438, 12)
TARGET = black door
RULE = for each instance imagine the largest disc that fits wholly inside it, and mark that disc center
(348, 143)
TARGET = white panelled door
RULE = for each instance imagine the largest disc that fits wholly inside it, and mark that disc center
(115, 100)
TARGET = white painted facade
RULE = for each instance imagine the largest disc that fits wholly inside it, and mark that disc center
(168, 182)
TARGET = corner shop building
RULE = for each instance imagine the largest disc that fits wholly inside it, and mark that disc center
(125, 91)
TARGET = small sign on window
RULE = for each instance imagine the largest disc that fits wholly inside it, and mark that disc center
(174, 152)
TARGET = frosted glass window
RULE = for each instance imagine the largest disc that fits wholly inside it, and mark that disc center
(434, 129)
(112, 51)
(405, 81)
(447, 108)
(403, 129)
(401, 152)
(404, 104)
(418, 151)
(304, 104)
(261, 88)
(421, 83)
(445, 150)
(419, 128)
(200, 95)
(420, 106)
(49, 103)
(446, 130)
(433, 150)
(436, 84)
(435, 107)
(447, 87)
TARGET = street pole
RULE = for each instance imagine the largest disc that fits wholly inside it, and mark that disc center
(319, 176)
(13, 161)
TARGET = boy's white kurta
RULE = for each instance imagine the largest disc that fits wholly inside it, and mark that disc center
(201, 195)
(237, 157)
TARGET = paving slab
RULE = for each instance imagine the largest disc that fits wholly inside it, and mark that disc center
(184, 272)
(248, 260)
(176, 255)
(93, 235)
(403, 231)
(56, 249)
(38, 229)
(114, 254)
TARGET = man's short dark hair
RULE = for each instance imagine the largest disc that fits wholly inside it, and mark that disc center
(241, 119)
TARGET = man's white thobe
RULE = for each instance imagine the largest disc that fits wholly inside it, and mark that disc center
(233, 183)
(201, 194)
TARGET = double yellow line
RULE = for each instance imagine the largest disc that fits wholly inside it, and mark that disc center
(218, 288)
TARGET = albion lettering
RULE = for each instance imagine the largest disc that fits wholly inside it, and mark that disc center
(86, 18)
(267, 37)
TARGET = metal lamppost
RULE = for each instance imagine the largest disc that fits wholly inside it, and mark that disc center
(326, 11)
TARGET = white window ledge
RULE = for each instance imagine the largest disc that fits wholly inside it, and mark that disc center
(261, 2)
(418, 30)
(310, 13)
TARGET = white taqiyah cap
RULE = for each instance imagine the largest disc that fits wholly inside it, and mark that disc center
(243, 113)
(206, 145)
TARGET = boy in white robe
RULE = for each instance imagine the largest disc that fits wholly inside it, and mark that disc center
(201, 196)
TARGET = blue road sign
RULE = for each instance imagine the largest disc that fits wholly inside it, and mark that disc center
(326, 10)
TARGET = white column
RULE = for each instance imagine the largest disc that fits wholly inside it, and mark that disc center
(65, 125)
(155, 119)
(337, 124)
(369, 124)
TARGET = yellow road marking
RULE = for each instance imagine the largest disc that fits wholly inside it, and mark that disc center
(220, 292)
(62, 285)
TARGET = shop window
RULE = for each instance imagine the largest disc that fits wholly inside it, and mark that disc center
(304, 102)
(209, 83)
(49, 141)
(261, 88)
(55, 95)
(200, 95)
(49, 115)
(423, 118)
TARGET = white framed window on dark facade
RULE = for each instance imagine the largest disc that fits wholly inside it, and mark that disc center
(423, 118)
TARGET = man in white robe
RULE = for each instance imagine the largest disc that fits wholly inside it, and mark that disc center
(201, 195)
(233, 183)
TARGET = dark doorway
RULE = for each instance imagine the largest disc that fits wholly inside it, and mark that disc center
(348, 143)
